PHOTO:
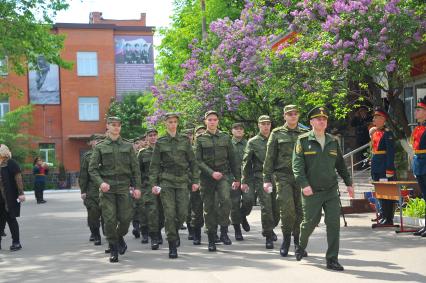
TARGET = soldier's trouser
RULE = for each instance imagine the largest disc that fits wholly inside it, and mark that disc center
(312, 207)
(241, 204)
(93, 211)
(140, 214)
(290, 204)
(154, 208)
(117, 212)
(175, 208)
(217, 203)
(196, 204)
(269, 209)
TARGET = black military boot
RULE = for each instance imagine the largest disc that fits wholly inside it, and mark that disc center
(197, 236)
(296, 245)
(92, 235)
(108, 250)
(97, 240)
(212, 242)
(122, 246)
(172, 249)
(178, 239)
(114, 253)
(160, 238)
(16, 246)
(333, 264)
(274, 236)
(245, 224)
(145, 235)
(136, 229)
(299, 253)
(224, 235)
(269, 243)
(154, 241)
(420, 231)
(285, 245)
(238, 234)
(190, 232)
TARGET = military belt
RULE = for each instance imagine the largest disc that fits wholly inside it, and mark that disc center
(379, 152)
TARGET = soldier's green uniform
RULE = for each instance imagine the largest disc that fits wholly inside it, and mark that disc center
(171, 159)
(91, 201)
(253, 159)
(315, 166)
(278, 167)
(215, 153)
(115, 163)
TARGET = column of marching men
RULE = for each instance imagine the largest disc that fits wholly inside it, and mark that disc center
(205, 177)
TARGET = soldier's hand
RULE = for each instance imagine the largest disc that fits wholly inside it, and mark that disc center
(244, 188)
(83, 196)
(351, 191)
(307, 191)
(266, 187)
(137, 194)
(235, 185)
(155, 191)
(217, 176)
(21, 198)
(195, 187)
(104, 187)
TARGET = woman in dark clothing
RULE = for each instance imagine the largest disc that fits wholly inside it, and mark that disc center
(11, 194)
(40, 171)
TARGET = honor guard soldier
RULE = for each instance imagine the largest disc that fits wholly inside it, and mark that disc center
(418, 140)
(114, 168)
(316, 158)
(382, 160)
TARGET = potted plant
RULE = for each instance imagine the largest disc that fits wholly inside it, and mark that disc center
(413, 213)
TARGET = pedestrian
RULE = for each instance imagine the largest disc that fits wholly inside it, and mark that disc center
(114, 168)
(11, 194)
(171, 160)
(90, 193)
(418, 140)
(216, 159)
(382, 161)
(151, 203)
(278, 167)
(40, 170)
(316, 158)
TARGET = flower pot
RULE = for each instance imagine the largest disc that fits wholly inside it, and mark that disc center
(410, 221)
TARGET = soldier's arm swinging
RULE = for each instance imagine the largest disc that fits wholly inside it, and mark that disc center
(94, 163)
(154, 167)
(271, 154)
(299, 169)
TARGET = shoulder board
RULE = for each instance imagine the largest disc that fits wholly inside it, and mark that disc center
(277, 129)
(126, 140)
(304, 135)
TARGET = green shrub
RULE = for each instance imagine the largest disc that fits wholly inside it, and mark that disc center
(415, 208)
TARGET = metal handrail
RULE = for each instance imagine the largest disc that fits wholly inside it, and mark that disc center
(351, 156)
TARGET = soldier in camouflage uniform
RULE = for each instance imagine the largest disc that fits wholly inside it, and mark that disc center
(90, 193)
(278, 166)
(253, 159)
(114, 168)
(216, 158)
(151, 203)
(171, 160)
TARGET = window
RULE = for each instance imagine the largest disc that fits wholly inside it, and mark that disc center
(87, 64)
(3, 67)
(88, 108)
(4, 107)
(47, 152)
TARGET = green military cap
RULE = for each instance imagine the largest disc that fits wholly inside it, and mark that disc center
(319, 111)
(289, 108)
(150, 130)
(170, 115)
(236, 125)
(264, 118)
(210, 112)
(199, 127)
(113, 119)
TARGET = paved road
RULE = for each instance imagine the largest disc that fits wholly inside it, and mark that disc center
(56, 249)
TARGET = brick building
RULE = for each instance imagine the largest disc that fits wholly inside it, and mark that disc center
(111, 58)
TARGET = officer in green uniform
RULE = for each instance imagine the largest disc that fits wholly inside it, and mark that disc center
(114, 168)
(316, 158)
(172, 159)
(151, 203)
(90, 193)
(278, 167)
(253, 165)
(216, 158)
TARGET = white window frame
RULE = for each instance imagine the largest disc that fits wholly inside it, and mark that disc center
(88, 111)
(44, 153)
(87, 64)
(3, 64)
(3, 105)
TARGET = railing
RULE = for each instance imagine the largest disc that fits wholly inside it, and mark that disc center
(350, 156)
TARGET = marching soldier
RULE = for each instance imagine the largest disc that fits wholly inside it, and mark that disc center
(172, 158)
(382, 160)
(418, 140)
(114, 168)
(316, 158)
(216, 158)
(278, 166)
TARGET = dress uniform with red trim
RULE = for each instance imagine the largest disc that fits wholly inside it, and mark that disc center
(418, 141)
(382, 163)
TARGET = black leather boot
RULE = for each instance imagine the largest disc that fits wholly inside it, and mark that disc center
(238, 234)
(212, 242)
(154, 241)
(274, 236)
(92, 235)
(114, 253)
(420, 231)
(224, 235)
(190, 232)
(296, 245)
(299, 253)
(269, 243)
(122, 246)
(108, 250)
(285, 245)
(97, 240)
(333, 264)
(172, 249)
(177, 242)
(245, 224)
(136, 229)
(145, 235)
(197, 236)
